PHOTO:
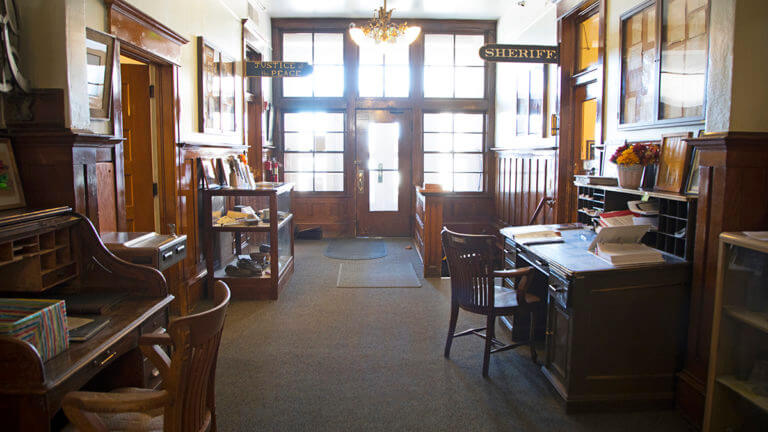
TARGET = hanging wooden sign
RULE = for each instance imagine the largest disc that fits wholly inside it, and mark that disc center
(521, 53)
(277, 69)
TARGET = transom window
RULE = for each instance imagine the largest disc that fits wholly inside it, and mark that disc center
(453, 151)
(384, 74)
(453, 67)
(314, 150)
(325, 51)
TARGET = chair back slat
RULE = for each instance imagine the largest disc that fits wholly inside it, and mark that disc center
(196, 339)
(470, 263)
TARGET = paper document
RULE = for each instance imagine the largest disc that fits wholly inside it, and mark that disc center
(538, 237)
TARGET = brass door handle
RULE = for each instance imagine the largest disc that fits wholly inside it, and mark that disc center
(360, 180)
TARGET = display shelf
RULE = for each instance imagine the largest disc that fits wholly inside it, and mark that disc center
(757, 320)
(222, 244)
(260, 227)
(742, 388)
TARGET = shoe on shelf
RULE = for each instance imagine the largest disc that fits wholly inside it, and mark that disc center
(249, 265)
(235, 271)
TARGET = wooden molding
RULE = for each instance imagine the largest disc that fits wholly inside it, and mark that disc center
(135, 28)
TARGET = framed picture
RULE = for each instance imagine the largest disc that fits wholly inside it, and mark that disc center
(216, 89)
(100, 59)
(11, 193)
(674, 156)
(692, 184)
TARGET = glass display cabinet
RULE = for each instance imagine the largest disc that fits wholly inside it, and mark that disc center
(248, 238)
(737, 396)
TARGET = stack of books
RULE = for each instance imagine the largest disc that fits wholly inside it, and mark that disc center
(620, 246)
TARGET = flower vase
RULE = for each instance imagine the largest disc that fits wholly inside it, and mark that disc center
(649, 177)
(630, 176)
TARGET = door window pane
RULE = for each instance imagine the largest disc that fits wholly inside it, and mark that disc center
(383, 167)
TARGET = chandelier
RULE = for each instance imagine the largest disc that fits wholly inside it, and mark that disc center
(380, 31)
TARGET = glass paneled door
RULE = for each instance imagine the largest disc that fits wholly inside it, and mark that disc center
(383, 173)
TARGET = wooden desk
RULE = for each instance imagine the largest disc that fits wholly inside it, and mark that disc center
(31, 390)
(615, 337)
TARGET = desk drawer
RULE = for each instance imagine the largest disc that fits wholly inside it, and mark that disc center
(156, 321)
(558, 289)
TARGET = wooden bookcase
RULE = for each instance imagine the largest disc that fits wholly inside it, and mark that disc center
(677, 214)
(739, 349)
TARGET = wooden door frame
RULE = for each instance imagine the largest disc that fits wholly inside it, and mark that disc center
(407, 117)
(570, 13)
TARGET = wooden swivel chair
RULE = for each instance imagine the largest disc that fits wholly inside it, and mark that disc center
(186, 404)
(470, 262)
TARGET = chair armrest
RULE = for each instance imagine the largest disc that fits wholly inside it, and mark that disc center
(115, 402)
(516, 273)
(157, 338)
(150, 346)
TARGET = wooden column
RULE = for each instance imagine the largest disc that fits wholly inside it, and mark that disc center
(733, 184)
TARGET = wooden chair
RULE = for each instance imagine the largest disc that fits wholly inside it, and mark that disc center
(470, 262)
(186, 404)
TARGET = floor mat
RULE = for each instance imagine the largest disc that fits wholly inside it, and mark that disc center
(356, 249)
(377, 275)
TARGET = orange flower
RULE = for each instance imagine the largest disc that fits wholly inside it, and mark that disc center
(628, 157)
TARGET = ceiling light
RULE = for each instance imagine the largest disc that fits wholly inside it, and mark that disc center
(380, 30)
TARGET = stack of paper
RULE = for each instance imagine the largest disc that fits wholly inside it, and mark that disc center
(538, 237)
(620, 245)
(628, 253)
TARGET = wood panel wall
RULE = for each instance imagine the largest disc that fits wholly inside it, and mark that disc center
(523, 178)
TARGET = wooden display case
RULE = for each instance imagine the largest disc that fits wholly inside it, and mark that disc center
(737, 399)
(223, 243)
(677, 214)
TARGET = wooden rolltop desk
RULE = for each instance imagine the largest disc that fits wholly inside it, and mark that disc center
(57, 254)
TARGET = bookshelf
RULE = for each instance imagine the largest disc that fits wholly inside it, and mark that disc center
(677, 214)
(737, 396)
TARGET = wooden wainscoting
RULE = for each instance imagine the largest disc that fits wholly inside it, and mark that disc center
(335, 215)
(523, 178)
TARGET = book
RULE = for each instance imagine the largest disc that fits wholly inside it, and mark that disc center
(82, 328)
(616, 218)
(596, 180)
(620, 254)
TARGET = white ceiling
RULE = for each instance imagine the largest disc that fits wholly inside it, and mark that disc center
(438, 9)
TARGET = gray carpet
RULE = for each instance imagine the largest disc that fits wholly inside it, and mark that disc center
(377, 275)
(321, 359)
(356, 249)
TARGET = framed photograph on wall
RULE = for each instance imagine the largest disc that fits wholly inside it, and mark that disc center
(674, 156)
(692, 183)
(100, 59)
(11, 192)
(216, 89)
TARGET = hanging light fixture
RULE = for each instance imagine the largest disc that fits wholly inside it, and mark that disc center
(380, 31)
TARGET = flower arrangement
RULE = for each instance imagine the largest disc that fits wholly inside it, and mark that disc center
(636, 154)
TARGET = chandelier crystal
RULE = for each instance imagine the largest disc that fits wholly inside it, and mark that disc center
(381, 31)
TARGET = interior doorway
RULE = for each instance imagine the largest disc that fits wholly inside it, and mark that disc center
(383, 173)
(139, 150)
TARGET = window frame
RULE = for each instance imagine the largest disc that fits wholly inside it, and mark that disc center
(657, 121)
(313, 152)
(414, 105)
(483, 151)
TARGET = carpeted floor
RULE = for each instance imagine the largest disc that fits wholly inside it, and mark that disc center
(323, 358)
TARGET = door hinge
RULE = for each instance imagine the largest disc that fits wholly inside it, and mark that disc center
(151, 90)
(154, 189)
